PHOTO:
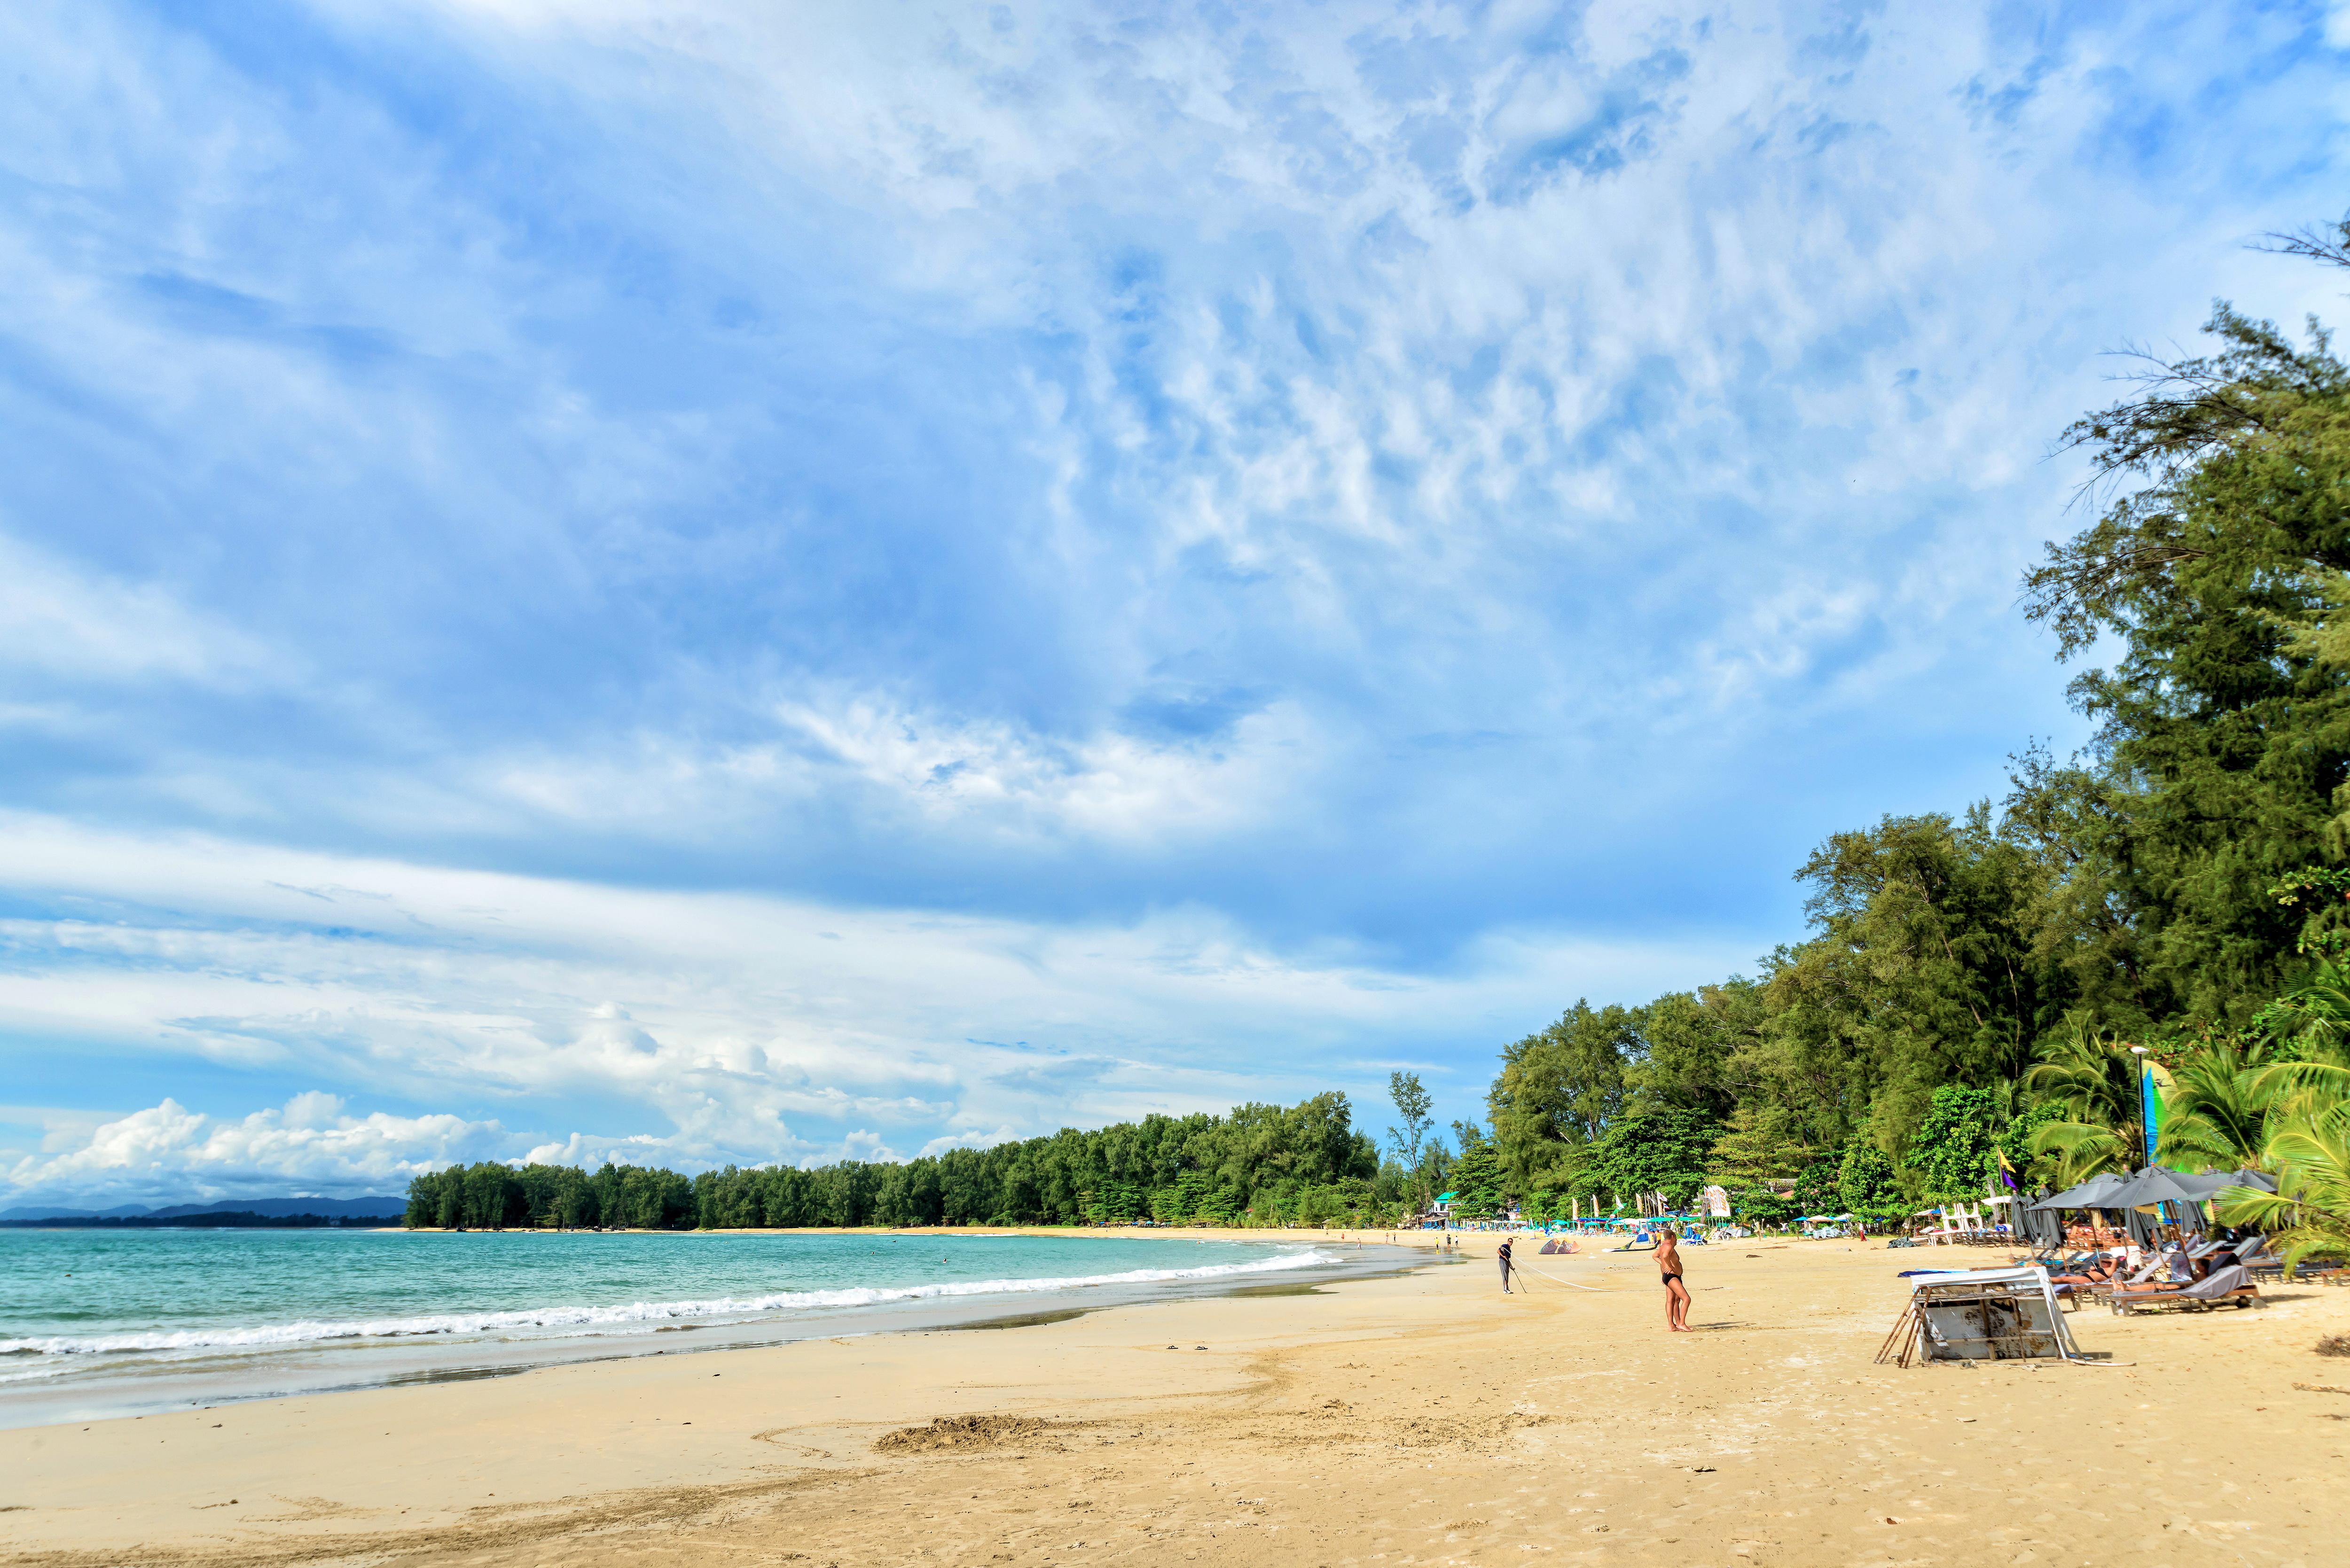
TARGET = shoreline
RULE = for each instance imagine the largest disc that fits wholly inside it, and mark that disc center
(1423, 1416)
(246, 1364)
(1117, 1232)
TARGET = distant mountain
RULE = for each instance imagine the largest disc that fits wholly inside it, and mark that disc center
(277, 1207)
(274, 1208)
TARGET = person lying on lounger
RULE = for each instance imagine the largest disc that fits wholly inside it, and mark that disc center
(2166, 1271)
(2102, 1268)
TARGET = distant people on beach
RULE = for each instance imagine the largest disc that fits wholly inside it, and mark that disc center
(1668, 1264)
(1503, 1257)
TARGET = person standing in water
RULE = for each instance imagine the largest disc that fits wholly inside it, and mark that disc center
(1677, 1296)
(1503, 1255)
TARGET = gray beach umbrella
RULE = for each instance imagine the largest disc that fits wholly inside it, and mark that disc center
(2200, 1187)
(2258, 1181)
(2090, 1194)
(2150, 1185)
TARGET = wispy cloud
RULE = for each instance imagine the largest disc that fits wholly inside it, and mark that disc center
(693, 1026)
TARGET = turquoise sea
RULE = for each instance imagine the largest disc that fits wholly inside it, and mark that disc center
(106, 1322)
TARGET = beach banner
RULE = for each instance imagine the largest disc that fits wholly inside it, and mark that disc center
(2152, 1080)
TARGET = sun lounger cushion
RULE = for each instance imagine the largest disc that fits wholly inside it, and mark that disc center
(2218, 1283)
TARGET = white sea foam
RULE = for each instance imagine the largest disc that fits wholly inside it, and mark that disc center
(638, 1316)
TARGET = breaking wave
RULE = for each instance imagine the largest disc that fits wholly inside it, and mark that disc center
(642, 1317)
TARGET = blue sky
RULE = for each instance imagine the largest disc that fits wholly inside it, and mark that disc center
(714, 583)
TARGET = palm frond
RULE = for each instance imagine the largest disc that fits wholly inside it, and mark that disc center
(2310, 1211)
(2082, 1150)
(2090, 1072)
(2220, 1097)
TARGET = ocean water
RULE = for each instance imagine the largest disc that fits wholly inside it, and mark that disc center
(95, 1323)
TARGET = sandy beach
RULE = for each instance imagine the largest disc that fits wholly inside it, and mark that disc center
(1421, 1418)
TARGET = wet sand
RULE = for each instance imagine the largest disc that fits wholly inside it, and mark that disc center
(1427, 1419)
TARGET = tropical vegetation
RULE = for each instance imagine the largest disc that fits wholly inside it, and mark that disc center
(1259, 1166)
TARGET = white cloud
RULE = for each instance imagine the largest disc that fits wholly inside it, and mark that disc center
(1792, 232)
(945, 1143)
(741, 1027)
(1346, 381)
(308, 1149)
(986, 776)
(62, 622)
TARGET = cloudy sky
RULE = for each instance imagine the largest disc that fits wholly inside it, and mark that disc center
(714, 582)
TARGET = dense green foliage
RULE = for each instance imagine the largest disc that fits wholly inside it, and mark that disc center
(1955, 1150)
(1262, 1165)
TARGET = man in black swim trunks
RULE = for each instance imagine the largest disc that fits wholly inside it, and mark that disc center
(1505, 1256)
(1677, 1296)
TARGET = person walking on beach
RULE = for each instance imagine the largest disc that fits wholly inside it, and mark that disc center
(1503, 1255)
(1677, 1296)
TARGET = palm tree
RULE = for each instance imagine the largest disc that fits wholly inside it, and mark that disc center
(2306, 1082)
(2081, 1150)
(2311, 1028)
(2094, 1077)
(2217, 1104)
(2310, 1211)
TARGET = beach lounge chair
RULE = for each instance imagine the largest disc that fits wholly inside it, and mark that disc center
(2243, 1249)
(2233, 1283)
(2163, 1272)
(2099, 1267)
(2058, 1261)
(2072, 1272)
(2271, 1266)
